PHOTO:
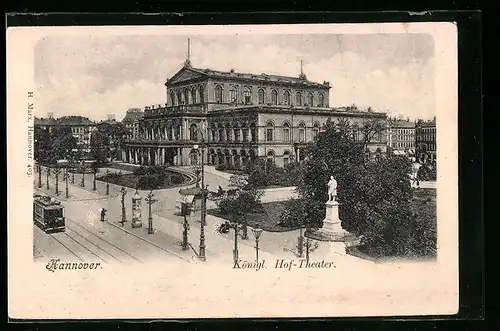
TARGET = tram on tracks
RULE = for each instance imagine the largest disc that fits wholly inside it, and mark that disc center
(48, 214)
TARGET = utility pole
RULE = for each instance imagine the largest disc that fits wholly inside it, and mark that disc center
(150, 200)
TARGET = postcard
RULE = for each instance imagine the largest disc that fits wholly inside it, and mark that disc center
(253, 171)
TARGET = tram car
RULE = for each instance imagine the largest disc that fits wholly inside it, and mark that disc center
(48, 214)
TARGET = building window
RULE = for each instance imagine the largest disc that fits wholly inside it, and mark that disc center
(310, 99)
(244, 132)
(269, 131)
(302, 132)
(286, 158)
(179, 98)
(270, 157)
(194, 97)
(172, 98)
(298, 99)
(286, 132)
(233, 94)
(228, 135)
(286, 98)
(218, 94)
(261, 95)
(248, 95)
(186, 96)
(274, 97)
(321, 100)
(315, 130)
(201, 94)
(221, 135)
(236, 134)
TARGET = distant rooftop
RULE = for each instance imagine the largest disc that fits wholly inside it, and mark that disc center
(400, 123)
(132, 115)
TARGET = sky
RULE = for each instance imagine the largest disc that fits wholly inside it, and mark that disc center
(98, 75)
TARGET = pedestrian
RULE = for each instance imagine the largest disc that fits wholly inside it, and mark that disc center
(103, 214)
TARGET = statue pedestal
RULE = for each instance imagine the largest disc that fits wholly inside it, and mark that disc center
(332, 230)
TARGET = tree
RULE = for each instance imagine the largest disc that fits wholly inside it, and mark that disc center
(374, 195)
(42, 146)
(62, 143)
(99, 146)
(115, 134)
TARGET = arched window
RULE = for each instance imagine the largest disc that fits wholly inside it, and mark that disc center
(310, 99)
(236, 132)
(270, 157)
(261, 95)
(244, 132)
(233, 94)
(286, 158)
(286, 132)
(269, 131)
(315, 130)
(186, 97)
(302, 132)
(274, 97)
(172, 98)
(218, 94)
(200, 91)
(253, 132)
(248, 95)
(193, 132)
(194, 97)
(179, 98)
(286, 98)
(321, 100)
(298, 99)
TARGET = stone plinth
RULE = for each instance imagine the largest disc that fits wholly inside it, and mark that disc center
(332, 230)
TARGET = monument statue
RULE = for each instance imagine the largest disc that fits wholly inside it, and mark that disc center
(332, 189)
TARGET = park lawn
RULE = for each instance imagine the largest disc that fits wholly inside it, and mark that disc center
(423, 204)
(131, 180)
(267, 217)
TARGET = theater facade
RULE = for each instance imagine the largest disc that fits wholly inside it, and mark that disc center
(237, 117)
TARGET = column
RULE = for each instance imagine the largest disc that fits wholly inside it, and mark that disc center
(142, 155)
(123, 156)
(179, 160)
(163, 156)
(148, 150)
(166, 132)
(130, 155)
(298, 154)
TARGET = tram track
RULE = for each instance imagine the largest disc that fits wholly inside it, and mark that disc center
(100, 247)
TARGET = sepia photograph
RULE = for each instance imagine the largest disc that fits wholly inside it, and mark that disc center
(235, 161)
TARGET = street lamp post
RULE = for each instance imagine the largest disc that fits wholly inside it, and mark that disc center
(184, 209)
(257, 232)
(150, 199)
(107, 181)
(123, 192)
(201, 255)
